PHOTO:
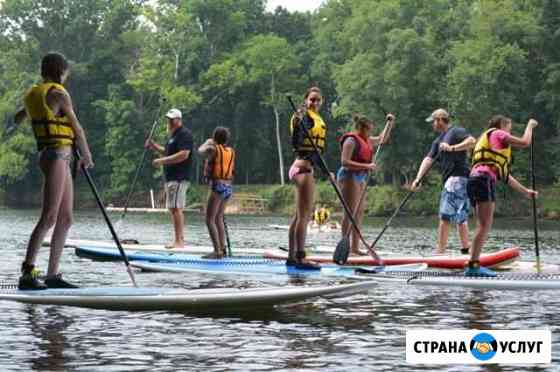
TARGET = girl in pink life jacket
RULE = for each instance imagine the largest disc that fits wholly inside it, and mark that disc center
(357, 160)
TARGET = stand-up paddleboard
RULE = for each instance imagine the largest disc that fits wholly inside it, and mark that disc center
(216, 299)
(311, 230)
(274, 268)
(501, 281)
(111, 254)
(502, 257)
(189, 249)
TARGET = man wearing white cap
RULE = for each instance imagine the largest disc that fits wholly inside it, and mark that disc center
(177, 165)
(450, 151)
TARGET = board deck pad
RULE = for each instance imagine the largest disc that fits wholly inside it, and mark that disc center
(213, 299)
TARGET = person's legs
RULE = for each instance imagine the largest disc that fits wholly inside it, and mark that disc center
(219, 222)
(305, 187)
(359, 219)
(178, 221)
(485, 217)
(463, 230)
(212, 210)
(443, 236)
(63, 223)
(53, 191)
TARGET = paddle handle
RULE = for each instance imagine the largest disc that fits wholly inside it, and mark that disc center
(325, 169)
(106, 217)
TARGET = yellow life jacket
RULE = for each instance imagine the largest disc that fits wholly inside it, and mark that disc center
(50, 130)
(484, 154)
(223, 164)
(321, 216)
(318, 132)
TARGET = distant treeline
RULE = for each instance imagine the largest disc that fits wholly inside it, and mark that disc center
(229, 62)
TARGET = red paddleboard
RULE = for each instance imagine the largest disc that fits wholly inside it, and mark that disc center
(502, 257)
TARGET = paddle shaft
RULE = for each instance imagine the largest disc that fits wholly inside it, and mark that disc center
(325, 168)
(534, 200)
(106, 217)
(226, 230)
(405, 200)
(141, 164)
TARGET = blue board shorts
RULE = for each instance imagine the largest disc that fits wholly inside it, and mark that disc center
(454, 202)
(344, 174)
(224, 190)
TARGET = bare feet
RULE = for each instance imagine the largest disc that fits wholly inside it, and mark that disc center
(358, 253)
(214, 255)
(175, 245)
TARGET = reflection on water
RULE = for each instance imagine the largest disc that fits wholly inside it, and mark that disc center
(362, 332)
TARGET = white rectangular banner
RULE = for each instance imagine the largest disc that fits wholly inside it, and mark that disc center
(426, 346)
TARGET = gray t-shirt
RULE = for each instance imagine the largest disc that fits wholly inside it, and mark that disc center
(451, 163)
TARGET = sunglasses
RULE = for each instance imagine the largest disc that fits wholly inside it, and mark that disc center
(315, 99)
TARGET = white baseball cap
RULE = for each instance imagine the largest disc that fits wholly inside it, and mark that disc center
(438, 114)
(174, 114)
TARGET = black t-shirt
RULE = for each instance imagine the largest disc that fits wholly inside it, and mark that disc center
(451, 163)
(180, 140)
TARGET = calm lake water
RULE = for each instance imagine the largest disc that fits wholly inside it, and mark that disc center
(359, 333)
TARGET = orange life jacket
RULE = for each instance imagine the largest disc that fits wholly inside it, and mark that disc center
(221, 167)
(363, 151)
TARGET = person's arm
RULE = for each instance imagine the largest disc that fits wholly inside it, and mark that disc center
(154, 146)
(464, 139)
(346, 158)
(384, 136)
(178, 157)
(517, 186)
(20, 116)
(521, 142)
(207, 149)
(65, 104)
(424, 168)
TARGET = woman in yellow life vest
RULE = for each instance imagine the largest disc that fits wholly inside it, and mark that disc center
(301, 172)
(219, 168)
(56, 130)
(491, 161)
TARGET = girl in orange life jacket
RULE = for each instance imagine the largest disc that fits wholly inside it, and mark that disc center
(357, 152)
(491, 161)
(219, 171)
(56, 129)
(301, 173)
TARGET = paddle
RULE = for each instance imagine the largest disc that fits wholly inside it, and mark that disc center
(226, 230)
(326, 170)
(534, 200)
(107, 220)
(141, 163)
(342, 250)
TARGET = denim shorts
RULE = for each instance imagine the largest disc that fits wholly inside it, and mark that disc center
(344, 174)
(481, 188)
(454, 203)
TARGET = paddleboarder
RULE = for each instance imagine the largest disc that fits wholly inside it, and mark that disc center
(177, 163)
(301, 172)
(491, 162)
(219, 171)
(450, 150)
(56, 129)
(357, 160)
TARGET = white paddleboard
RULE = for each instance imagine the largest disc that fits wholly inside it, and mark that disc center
(216, 299)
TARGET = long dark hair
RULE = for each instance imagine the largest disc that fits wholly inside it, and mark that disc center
(53, 66)
(498, 121)
(221, 135)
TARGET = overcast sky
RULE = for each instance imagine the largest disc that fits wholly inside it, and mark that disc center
(293, 5)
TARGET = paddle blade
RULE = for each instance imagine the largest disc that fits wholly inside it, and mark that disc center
(342, 250)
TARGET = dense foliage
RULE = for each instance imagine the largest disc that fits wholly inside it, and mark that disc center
(229, 62)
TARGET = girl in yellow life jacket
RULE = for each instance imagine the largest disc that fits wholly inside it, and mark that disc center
(491, 160)
(56, 129)
(301, 172)
(219, 169)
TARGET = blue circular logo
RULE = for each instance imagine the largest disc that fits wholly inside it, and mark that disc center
(483, 346)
